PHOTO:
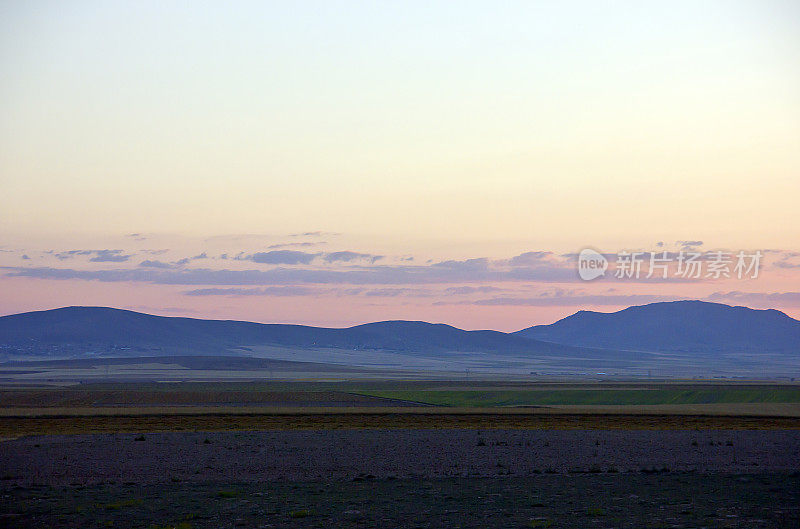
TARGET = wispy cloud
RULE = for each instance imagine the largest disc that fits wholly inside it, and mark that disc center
(470, 271)
(348, 257)
(465, 290)
(109, 256)
(62, 256)
(100, 256)
(764, 299)
(297, 257)
(689, 244)
(392, 292)
(281, 257)
(152, 263)
(294, 244)
(530, 258)
(567, 300)
(314, 234)
(267, 291)
(292, 267)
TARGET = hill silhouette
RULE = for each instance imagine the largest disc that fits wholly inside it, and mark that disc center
(97, 329)
(678, 326)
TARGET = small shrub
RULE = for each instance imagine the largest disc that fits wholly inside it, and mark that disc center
(300, 513)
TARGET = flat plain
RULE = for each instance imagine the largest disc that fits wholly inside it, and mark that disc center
(393, 453)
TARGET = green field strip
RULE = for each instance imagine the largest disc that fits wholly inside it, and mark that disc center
(479, 398)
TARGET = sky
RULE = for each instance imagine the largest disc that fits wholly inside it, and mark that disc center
(334, 163)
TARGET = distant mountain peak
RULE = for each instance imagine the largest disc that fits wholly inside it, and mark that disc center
(685, 326)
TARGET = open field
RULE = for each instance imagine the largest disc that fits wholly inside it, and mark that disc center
(133, 397)
(628, 501)
(332, 455)
(132, 407)
(411, 408)
(354, 419)
(169, 368)
(454, 393)
(634, 397)
(404, 478)
(365, 453)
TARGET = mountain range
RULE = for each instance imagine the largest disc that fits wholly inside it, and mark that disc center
(102, 329)
(693, 327)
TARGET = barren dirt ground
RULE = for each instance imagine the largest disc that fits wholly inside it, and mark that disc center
(302, 455)
(404, 478)
(636, 500)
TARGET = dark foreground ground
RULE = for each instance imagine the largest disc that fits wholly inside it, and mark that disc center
(635, 500)
(302, 455)
(404, 478)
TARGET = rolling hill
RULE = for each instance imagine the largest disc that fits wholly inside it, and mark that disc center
(692, 334)
(72, 331)
(677, 327)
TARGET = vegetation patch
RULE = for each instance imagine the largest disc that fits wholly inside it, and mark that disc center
(587, 397)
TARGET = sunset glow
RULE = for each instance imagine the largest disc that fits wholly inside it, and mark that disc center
(339, 163)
